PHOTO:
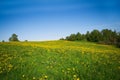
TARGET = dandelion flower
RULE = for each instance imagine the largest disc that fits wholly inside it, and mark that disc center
(73, 69)
(74, 76)
(23, 75)
(68, 69)
(78, 78)
(63, 71)
(33, 77)
(46, 77)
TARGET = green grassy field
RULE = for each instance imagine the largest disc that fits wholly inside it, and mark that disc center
(59, 60)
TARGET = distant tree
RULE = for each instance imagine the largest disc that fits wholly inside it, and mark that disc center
(109, 36)
(105, 36)
(26, 40)
(67, 38)
(14, 37)
(78, 36)
(87, 36)
(3, 41)
(62, 39)
(118, 40)
(83, 37)
(72, 37)
(113, 38)
(95, 36)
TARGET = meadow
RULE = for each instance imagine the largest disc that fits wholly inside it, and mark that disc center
(59, 60)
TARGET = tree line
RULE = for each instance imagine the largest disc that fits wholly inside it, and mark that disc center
(104, 36)
(14, 38)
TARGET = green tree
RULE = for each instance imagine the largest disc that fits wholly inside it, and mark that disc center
(87, 36)
(26, 40)
(113, 38)
(3, 40)
(14, 37)
(95, 36)
(62, 38)
(108, 36)
(78, 36)
(105, 36)
(72, 37)
(83, 37)
(118, 40)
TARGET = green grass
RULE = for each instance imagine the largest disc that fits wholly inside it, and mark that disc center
(58, 60)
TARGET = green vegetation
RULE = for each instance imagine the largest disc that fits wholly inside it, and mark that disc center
(14, 37)
(58, 60)
(105, 36)
(3, 41)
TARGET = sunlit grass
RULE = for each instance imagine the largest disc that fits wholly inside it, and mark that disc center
(58, 60)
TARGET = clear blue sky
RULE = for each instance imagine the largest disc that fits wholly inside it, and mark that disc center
(53, 19)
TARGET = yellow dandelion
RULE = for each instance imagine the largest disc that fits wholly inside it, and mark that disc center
(46, 77)
(33, 77)
(74, 76)
(73, 69)
(23, 75)
(68, 69)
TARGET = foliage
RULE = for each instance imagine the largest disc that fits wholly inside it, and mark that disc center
(118, 40)
(95, 36)
(72, 37)
(105, 36)
(3, 41)
(109, 36)
(26, 40)
(58, 60)
(61, 38)
(75, 37)
(78, 36)
(14, 37)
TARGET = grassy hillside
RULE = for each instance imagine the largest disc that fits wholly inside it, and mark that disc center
(58, 60)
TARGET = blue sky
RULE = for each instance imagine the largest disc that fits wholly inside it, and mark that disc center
(52, 19)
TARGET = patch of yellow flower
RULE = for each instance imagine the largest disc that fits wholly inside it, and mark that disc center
(34, 78)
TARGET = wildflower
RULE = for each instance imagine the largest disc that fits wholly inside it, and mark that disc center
(46, 77)
(78, 79)
(77, 62)
(68, 69)
(73, 69)
(23, 75)
(74, 76)
(33, 77)
(82, 52)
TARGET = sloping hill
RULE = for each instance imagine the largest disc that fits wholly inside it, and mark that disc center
(58, 60)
